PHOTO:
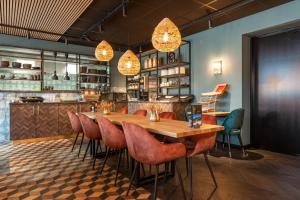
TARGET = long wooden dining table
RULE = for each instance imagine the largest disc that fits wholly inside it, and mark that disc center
(164, 127)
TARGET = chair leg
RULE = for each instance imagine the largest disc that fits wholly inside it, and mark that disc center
(81, 144)
(166, 170)
(95, 157)
(127, 158)
(143, 169)
(223, 140)
(242, 146)
(181, 182)
(210, 169)
(106, 156)
(190, 165)
(118, 167)
(187, 165)
(75, 142)
(87, 148)
(155, 182)
(132, 177)
(228, 141)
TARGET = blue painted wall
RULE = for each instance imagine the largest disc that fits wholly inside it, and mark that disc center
(225, 43)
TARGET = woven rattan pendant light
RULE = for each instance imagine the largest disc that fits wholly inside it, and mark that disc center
(166, 36)
(104, 52)
(129, 64)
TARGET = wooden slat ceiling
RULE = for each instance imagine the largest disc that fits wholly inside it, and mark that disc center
(55, 16)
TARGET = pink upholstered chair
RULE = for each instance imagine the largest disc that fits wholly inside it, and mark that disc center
(77, 128)
(201, 144)
(168, 115)
(123, 110)
(144, 148)
(113, 138)
(140, 113)
(91, 130)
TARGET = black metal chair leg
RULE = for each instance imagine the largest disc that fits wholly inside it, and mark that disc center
(81, 144)
(87, 148)
(155, 182)
(190, 164)
(106, 156)
(75, 142)
(132, 177)
(229, 148)
(127, 158)
(181, 182)
(242, 146)
(118, 166)
(150, 169)
(187, 166)
(166, 170)
(210, 169)
(143, 169)
(95, 157)
(100, 146)
(223, 140)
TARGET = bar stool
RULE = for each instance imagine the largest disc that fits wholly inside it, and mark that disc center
(144, 148)
(77, 128)
(91, 131)
(123, 110)
(201, 144)
(168, 115)
(140, 112)
(113, 138)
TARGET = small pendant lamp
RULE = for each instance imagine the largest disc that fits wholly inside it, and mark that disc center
(166, 36)
(67, 77)
(104, 52)
(54, 76)
(129, 64)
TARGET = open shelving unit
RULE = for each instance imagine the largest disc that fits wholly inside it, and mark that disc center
(181, 83)
(20, 79)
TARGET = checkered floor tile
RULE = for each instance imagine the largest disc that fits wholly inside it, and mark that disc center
(48, 170)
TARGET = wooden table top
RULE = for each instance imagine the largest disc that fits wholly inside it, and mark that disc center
(171, 128)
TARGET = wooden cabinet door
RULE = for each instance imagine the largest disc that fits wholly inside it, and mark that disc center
(22, 121)
(47, 115)
(64, 125)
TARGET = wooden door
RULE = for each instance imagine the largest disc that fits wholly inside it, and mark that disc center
(64, 125)
(47, 115)
(22, 121)
(275, 93)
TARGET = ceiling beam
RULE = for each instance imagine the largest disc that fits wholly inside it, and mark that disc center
(106, 17)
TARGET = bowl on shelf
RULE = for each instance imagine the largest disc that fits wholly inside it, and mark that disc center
(16, 65)
(27, 66)
(36, 68)
(4, 64)
(92, 71)
(83, 69)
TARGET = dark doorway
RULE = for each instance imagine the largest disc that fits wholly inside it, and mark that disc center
(275, 93)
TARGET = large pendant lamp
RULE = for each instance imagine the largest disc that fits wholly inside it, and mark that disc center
(66, 77)
(129, 64)
(54, 76)
(166, 36)
(104, 52)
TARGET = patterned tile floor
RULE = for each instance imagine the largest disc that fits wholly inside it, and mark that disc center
(48, 170)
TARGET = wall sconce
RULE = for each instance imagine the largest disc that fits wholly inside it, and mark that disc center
(217, 67)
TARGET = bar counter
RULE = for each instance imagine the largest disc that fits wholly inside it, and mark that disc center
(40, 120)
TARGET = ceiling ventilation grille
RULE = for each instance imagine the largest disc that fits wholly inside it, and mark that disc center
(55, 16)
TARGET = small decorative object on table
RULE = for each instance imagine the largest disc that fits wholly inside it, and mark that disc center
(155, 109)
(106, 106)
(195, 117)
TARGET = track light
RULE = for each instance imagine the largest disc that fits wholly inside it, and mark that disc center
(124, 9)
(100, 27)
(210, 24)
(28, 35)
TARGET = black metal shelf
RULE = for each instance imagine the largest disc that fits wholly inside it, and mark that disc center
(174, 87)
(90, 74)
(174, 76)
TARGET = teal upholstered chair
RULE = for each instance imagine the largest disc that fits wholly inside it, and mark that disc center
(232, 127)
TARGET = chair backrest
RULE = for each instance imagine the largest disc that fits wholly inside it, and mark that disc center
(90, 128)
(205, 142)
(168, 115)
(141, 145)
(112, 136)
(123, 110)
(75, 122)
(140, 112)
(234, 120)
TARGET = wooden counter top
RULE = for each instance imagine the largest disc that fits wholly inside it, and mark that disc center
(171, 128)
